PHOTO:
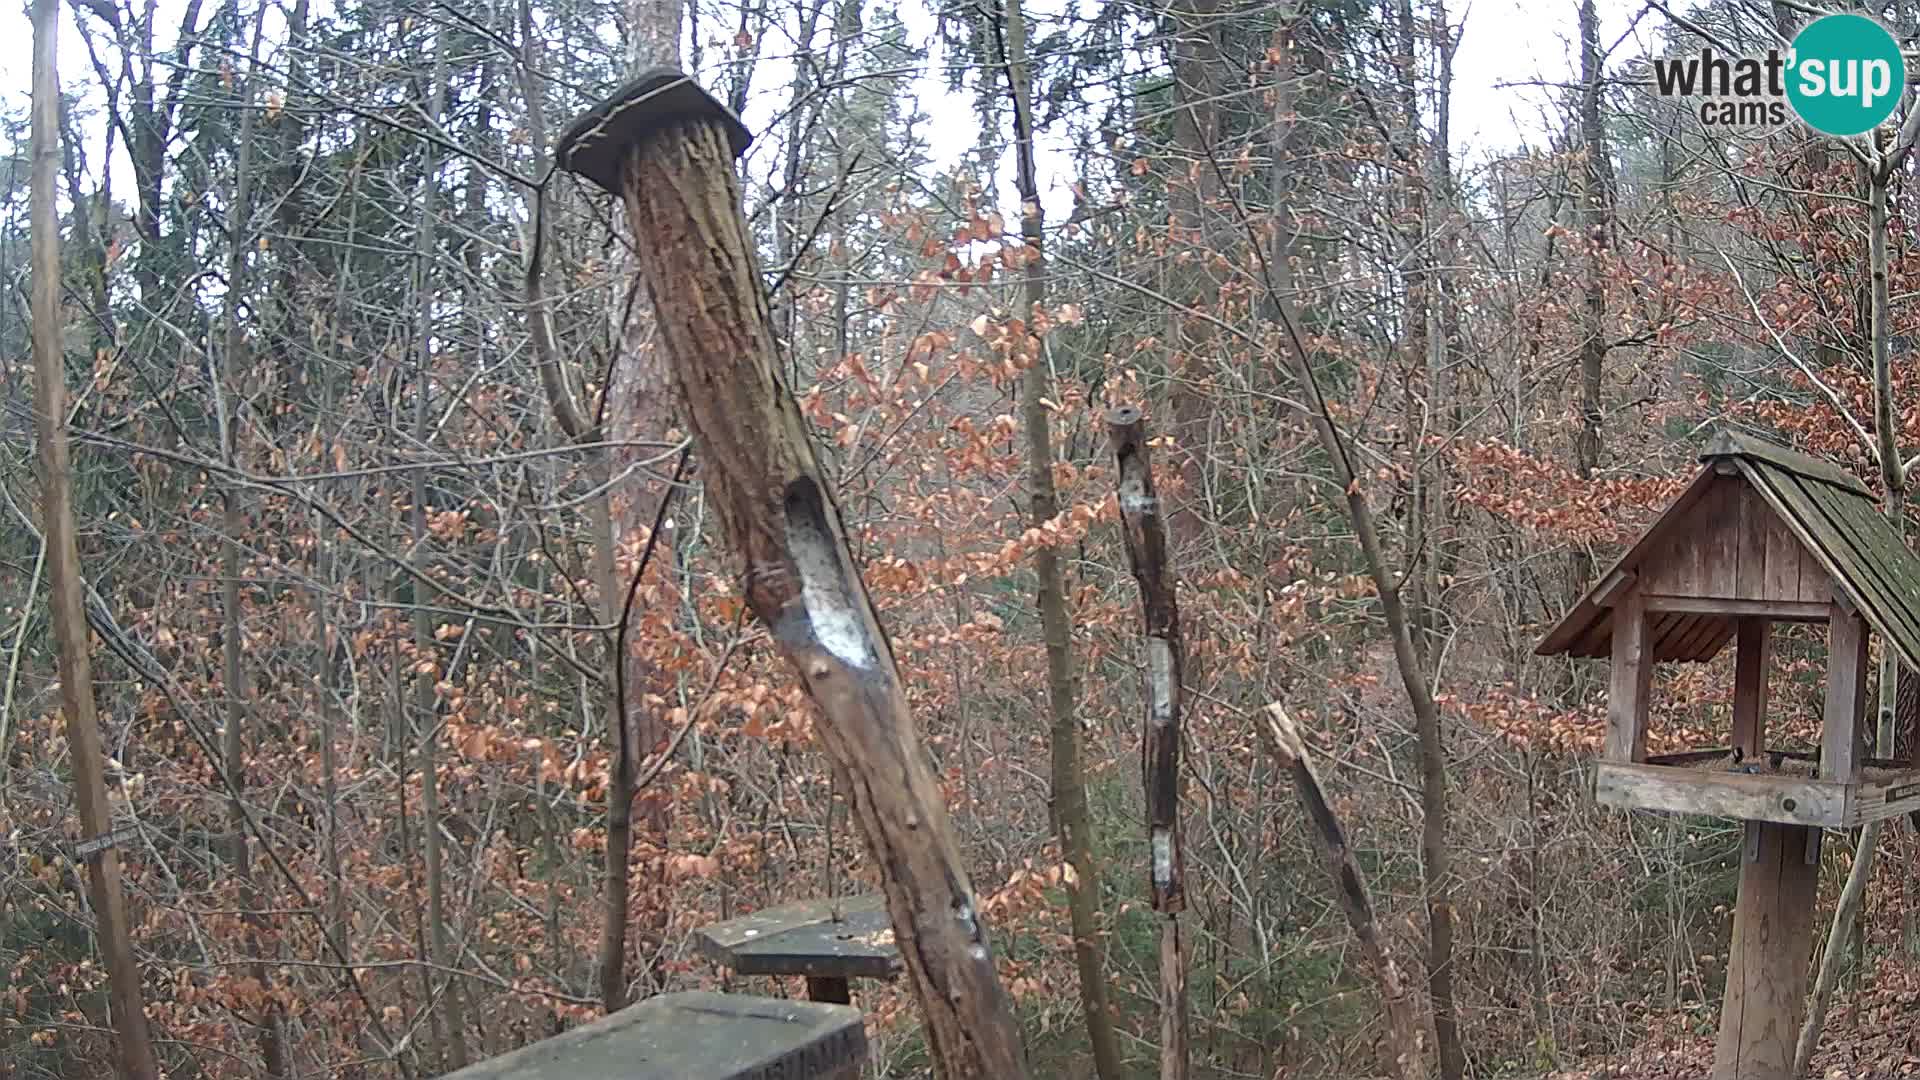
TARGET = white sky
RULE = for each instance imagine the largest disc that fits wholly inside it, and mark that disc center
(1509, 48)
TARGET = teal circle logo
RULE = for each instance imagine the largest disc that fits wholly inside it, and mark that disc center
(1845, 75)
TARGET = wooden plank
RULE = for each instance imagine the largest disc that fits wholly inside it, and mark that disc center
(1767, 963)
(1879, 801)
(1630, 682)
(1666, 632)
(1607, 593)
(1790, 800)
(1785, 555)
(1705, 638)
(1578, 621)
(1719, 542)
(1813, 526)
(1750, 575)
(1842, 731)
(1750, 668)
(1783, 610)
(806, 939)
(703, 1034)
(1734, 444)
(1886, 557)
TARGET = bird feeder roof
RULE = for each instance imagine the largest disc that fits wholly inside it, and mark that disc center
(1829, 515)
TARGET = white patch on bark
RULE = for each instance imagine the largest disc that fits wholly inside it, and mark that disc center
(1162, 844)
(833, 618)
(1160, 679)
(1133, 494)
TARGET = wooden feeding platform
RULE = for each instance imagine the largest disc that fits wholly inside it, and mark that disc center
(699, 1034)
(1762, 535)
(828, 941)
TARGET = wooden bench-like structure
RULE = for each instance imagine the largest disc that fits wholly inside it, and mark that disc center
(695, 1035)
(1762, 535)
(828, 941)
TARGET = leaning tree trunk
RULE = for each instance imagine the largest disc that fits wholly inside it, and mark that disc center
(64, 586)
(1071, 817)
(668, 148)
(1404, 1031)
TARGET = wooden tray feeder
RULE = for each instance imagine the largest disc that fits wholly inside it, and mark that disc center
(1762, 535)
(697, 1034)
(828, 941)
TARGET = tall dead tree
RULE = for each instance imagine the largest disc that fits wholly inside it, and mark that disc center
(667, 148)
(1144, 528)
(64, 587)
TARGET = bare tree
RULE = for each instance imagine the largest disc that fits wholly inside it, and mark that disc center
(65, 585)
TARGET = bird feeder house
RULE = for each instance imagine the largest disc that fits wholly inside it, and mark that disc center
(1762, 535)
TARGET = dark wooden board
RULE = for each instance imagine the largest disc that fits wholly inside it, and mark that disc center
(804, 939)
(700, 1034)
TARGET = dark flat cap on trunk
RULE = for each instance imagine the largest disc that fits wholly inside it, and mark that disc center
(595, 145)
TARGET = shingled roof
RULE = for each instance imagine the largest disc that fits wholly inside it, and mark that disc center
(1832, 515)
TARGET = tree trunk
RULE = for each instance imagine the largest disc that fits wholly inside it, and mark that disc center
(1595, 185)
(64, 587)
(1847, 912)
(1436, 860)
(233, 519)
(766, 487)
(1146, 539)
(426, 648)
(1070, 815)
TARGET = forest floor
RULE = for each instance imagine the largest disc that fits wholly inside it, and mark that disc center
(1870, 1035)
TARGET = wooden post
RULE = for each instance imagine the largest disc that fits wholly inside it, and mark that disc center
(667, 148)
(1753, 653)
(1632, 678)
(1146, 537)
(1767, 970)
(1842, 734)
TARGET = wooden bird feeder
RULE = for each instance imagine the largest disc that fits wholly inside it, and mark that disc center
(711, 1036)
(828, 941)
(1762, 535)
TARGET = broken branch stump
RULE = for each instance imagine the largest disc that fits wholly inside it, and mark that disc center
(667, 149)
(1404, 1030)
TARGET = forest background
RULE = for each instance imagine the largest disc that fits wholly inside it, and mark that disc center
(401, 586)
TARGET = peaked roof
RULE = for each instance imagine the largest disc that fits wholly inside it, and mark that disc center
(1830, 512)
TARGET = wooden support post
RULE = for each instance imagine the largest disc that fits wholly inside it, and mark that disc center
(1767, 972)
(668, 148)
(1632, 680)
(830, 989)
(1145, 533)
(1752, 656)
(1843, 732)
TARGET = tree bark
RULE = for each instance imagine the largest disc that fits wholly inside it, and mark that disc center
(1070, 814)
(1145, 534)
(64, 587)
(773, 503)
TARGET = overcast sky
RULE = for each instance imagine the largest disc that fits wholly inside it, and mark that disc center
(1509, 48)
